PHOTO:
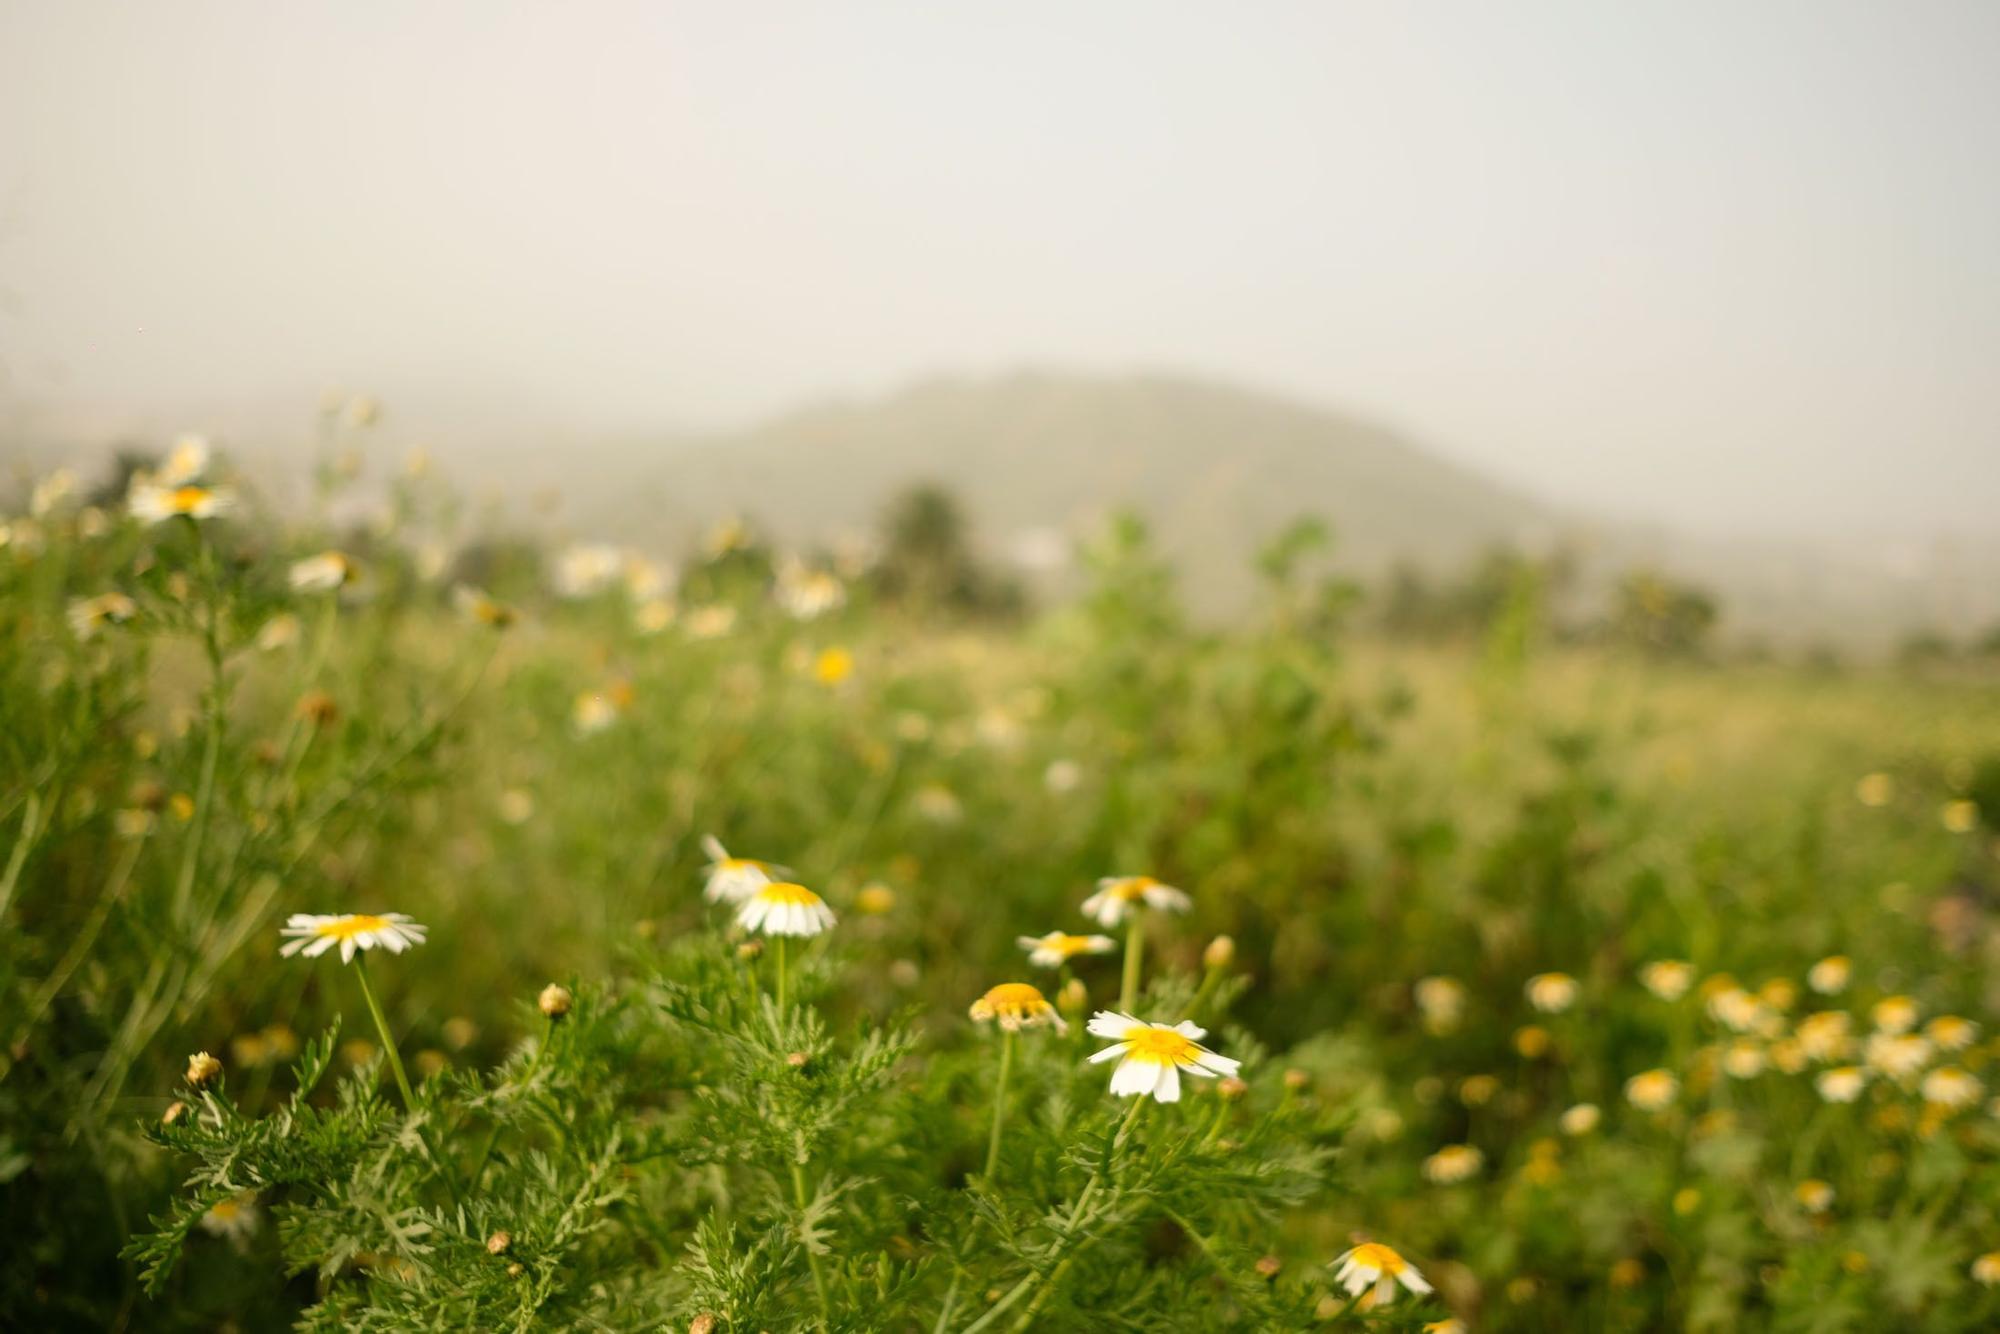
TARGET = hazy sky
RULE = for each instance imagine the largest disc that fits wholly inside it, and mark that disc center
(1735, 265)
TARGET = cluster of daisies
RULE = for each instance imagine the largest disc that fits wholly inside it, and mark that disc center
(765, 900)
(1911, 1069)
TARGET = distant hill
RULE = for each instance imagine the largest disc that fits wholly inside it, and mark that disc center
(1215, 469)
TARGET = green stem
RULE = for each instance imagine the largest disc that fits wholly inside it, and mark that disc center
(999, 1103)
(778, 947)
(1209, 982)
(486, 1149)
(31, 816)
(1135, 950)
(1055, 1276)
(812, 1256)
(212, 745)
(382, 1027)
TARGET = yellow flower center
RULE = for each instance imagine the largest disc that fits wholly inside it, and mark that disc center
(1132, 888)
(185, 498)
(352, 925)
(1016, 998)
(1374, 1255)
(225, 1210)
(1162, 1046)
(783, 891)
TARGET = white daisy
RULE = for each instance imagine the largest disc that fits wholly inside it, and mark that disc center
(806, 594)
(152, 503)
(1551, 993)
(313, 934)
(734, 879)
(1151, 1056)
(235, 1219)
(780, 908)
(186, 462)
(1843, 1083)
(1373, 1265)
(1059, 947)
(1119, 895)
(1016, 1005)
(324, 572)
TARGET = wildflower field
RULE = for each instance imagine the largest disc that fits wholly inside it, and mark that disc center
(406, 928)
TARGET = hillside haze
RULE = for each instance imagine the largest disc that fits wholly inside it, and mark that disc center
(1036, 456)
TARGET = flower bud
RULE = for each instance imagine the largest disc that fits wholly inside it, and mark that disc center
(1268, 1266)
(1297, 1080)
(554, 1001)
(1231, 1088)
(1221, 952)
(498, 1243)
(1074, 998)
(702, 1324)
(749, 950)
(201, 1069)
(175, 1111)
(797, 1060)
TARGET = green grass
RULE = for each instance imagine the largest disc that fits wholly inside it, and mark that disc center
(1356, 815)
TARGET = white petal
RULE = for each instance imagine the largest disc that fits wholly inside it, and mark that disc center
(1111, 1024)
(1118, 1049)
(1169, 1087)
(319, 946)
(1134, 1077)
(1414, 1281)
(291, 947)
(1187, 1028)
(346, 949)
(1212, 1064)
(712, 845)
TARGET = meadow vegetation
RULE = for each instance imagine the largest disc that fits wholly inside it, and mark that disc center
(1500, 983)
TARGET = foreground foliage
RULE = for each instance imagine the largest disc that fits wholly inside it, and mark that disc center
(1609, 994)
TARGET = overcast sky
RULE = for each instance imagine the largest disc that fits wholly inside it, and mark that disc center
(1734, 265)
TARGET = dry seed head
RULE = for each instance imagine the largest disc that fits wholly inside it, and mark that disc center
(702, 1324)
(498, 1243)
(555, 1001)
(1297, 1080)
(175, 1111)
(1231, 1088)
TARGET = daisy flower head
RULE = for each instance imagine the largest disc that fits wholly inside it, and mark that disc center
(1059, 947)
(1951, 1088)
(234, 1219)
(806, 593)
(1814, 1195)
(1826, 1035)
(1894, 1014)
(324, 573)
(313, 934)
(89, 615)
(781, 908)
(1843, 1083)
(1441, 1000)
(734, 879)
(1898, 1055)
(1986, 1269)
(1949, 1032)
(1580, 1119)
(185, 462)
(1829, 976)
(1373, 1266)
(1119, 896)
(1453, 1163)
(1015, 1006)
(154, 503)
(1652, 1090)
(1551, 993)
(1151, 1056)
(1668, 979)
